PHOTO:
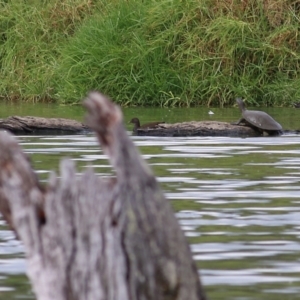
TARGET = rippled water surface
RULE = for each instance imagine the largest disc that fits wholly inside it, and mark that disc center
(236, 199)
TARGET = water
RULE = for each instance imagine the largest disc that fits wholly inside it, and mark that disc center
(236, 199)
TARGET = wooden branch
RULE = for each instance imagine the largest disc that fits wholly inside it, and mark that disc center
(199, 128)
(38, 125)
(94, 238)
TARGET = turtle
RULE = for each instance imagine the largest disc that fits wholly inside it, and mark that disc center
(137, 124)
(258, 120)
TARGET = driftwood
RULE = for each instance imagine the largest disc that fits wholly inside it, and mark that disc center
(94, 238)
(37, 125)
(201, 128)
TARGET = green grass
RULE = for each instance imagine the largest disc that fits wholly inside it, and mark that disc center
(158, 53)
(31, 35)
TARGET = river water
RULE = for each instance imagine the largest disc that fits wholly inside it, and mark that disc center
(236, 199)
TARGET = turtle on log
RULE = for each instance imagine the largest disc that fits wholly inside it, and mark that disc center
(137, 124)
(258, 120)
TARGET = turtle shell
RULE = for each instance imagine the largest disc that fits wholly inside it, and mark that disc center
(261, 120)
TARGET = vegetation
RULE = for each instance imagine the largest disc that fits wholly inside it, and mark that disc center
(156, 52)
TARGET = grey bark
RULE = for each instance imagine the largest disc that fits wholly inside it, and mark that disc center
(199, 128)
(38, 125)
(95, 238)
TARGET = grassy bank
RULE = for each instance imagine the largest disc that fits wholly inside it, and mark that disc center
(153, 53)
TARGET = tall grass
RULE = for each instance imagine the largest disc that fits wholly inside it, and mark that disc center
(113, 54)
(155, 52)
(31, 34)
(186, 53)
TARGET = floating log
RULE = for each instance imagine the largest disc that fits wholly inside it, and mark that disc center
(95, 238)
(202, 128)
(38, 125)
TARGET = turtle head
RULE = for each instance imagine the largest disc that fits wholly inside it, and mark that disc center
(135, 121)
(241, 104)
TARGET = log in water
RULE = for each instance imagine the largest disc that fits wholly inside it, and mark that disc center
(202, 128)
(38, 125)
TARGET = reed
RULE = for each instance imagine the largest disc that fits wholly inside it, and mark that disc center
(31, 34)
(158, 53)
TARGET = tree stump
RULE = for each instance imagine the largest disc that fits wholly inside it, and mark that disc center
(95, 238)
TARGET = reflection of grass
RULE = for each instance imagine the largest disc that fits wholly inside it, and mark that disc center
(233, 234)
(249, 291)
(51, 162)
(20, 285)
(235, 167)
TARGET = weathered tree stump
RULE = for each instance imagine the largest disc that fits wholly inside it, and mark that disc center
(38, 125)
(94, 238)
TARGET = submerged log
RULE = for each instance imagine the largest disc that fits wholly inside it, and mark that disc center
(201, 128)
(38, 125)
(94, 238)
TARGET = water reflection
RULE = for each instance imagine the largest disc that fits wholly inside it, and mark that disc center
(237, 201)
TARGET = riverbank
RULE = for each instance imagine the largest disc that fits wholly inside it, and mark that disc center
(178, 53)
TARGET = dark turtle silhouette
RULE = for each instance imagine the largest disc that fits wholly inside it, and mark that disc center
(257, 119)
(137, 124)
